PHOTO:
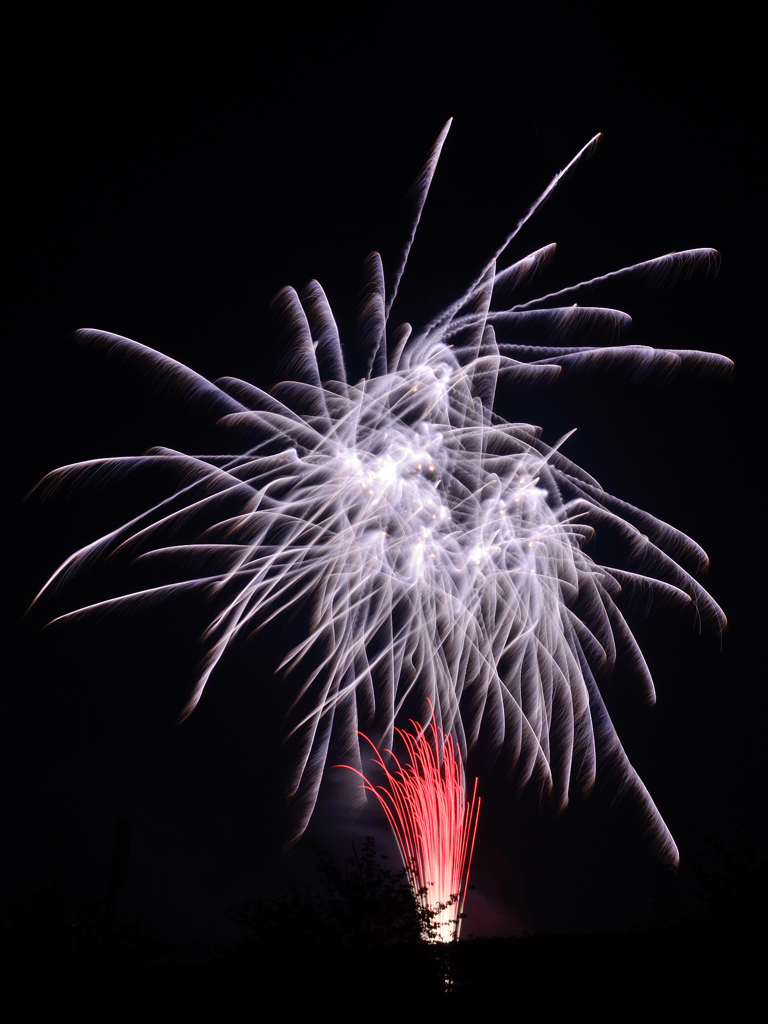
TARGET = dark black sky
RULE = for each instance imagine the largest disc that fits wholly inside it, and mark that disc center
(171, 171)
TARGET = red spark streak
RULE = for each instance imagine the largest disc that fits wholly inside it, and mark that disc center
(426, 805)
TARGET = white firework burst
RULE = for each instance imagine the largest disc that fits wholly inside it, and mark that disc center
(439, 549)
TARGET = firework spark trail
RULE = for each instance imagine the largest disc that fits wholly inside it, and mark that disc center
(435, 826)
(438, 548)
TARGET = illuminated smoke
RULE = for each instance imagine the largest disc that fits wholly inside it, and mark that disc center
(437, 550)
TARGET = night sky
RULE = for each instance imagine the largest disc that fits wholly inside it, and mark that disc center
(171, 172)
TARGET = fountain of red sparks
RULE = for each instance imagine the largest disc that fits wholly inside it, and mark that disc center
(425, 801)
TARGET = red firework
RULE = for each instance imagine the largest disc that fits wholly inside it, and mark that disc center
(426, 804)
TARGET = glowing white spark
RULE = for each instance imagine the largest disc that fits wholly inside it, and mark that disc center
(439, 547)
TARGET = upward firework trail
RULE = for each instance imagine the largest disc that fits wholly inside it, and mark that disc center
(437, 548)
(426, 806)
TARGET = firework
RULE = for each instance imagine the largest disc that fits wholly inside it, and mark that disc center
(436, 550)
(426, 806)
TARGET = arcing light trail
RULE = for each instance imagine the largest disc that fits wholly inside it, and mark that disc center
(438, 550)
(426, 806)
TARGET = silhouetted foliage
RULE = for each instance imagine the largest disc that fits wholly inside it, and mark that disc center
(361, 927)
(734, 884)
(364, 903)
(45, 926)
(60, 952)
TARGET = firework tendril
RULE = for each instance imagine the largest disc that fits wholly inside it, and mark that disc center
(435, 549)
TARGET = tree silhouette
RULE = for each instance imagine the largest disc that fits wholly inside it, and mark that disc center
(360, 929)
